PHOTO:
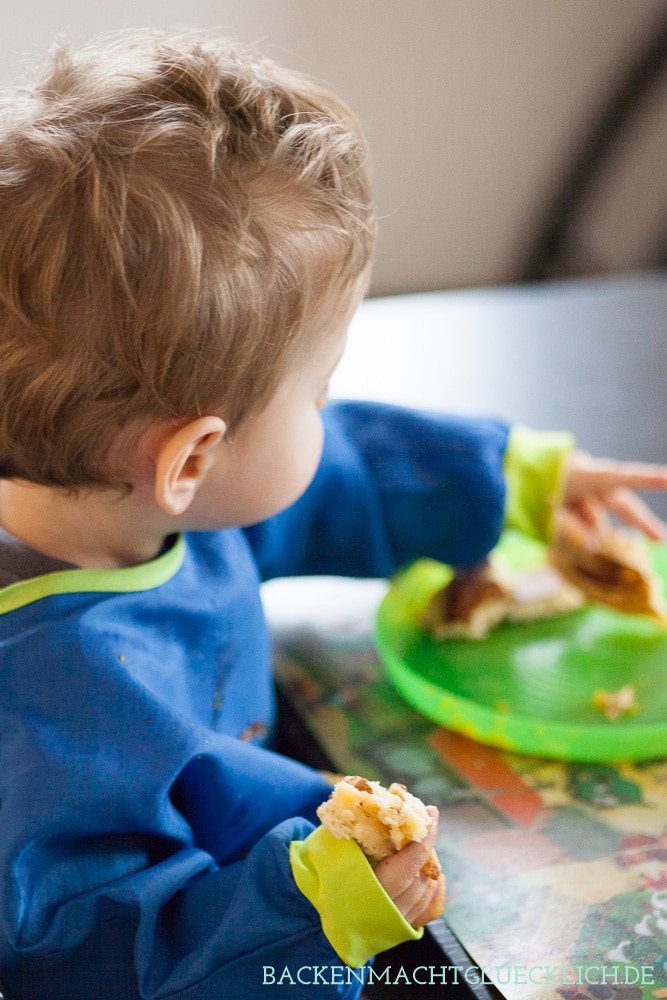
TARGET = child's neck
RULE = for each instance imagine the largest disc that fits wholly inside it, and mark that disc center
(92, 529)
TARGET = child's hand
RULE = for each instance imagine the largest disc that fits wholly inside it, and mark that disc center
(406, 879)
(597, 486)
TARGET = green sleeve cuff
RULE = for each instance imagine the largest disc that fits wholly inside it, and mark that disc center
(535, 466)
(358, 917)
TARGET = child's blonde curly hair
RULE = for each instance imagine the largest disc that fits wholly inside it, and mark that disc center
(172, 212)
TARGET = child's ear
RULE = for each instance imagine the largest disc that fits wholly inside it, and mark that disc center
(183, 459)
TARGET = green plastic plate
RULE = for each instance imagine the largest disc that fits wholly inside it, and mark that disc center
(529, 687)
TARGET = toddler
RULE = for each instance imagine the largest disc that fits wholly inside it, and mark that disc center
(185, 233)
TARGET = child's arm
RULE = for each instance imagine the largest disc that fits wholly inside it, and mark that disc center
(397, 484)
(126, 912)
(393, 484)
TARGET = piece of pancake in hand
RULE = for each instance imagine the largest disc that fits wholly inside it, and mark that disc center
(610, 566)
(382, 821)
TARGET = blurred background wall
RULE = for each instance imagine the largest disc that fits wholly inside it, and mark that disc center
(474, 110)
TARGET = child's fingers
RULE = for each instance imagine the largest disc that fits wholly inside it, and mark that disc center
(589, 511)
(411, 901)
(413, 880)
(430, 905)
(601, 475)
(635, 512)
(633, 475)
(397, 872)
(418, 898)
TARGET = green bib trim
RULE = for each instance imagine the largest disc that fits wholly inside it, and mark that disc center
(145, 576)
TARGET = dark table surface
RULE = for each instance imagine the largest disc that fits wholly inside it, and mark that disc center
(588, 355)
